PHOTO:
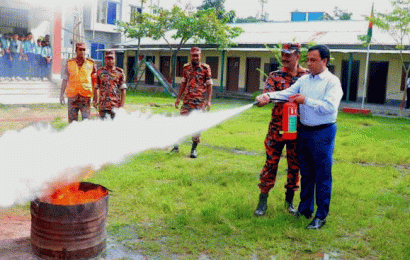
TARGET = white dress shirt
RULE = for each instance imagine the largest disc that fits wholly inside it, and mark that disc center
(322, 92)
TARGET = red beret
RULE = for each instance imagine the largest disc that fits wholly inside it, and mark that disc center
(80, 45)
(291, 47)
(110, 54)
(195, 50)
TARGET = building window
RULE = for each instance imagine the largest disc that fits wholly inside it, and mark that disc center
(181, 61)
(108, 12)
(95, 54)
(331, 68)
(134, 9)
(213, 62)
(269, 67)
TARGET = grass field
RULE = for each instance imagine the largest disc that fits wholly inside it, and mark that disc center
(168, 206)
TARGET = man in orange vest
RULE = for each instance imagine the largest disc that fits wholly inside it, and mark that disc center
(78, 83)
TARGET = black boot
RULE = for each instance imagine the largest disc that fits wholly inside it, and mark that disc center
(289, 201)
(262, 205)
(193, 150)
(175, 149)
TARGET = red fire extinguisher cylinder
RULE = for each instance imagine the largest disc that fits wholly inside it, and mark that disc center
(290, 121)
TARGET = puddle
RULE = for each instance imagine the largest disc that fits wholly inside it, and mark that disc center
(117, 251)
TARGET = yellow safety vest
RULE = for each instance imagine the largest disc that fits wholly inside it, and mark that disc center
(80, 78)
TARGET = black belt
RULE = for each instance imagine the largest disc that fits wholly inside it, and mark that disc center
(316, 127)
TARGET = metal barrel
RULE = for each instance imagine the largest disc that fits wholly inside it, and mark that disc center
(69, 231)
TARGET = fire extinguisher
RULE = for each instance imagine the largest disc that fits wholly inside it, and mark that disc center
(289, 119)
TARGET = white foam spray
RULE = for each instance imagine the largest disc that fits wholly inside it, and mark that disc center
(35, 159)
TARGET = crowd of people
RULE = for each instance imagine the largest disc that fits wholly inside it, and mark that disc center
(23, 58)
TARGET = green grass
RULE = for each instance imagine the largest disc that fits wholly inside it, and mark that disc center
(168, 206)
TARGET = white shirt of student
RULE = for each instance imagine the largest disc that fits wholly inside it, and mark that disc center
(323, 93)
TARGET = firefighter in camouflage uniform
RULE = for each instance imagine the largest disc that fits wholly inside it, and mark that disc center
(196, 89)
(110, 89)
(274, 143)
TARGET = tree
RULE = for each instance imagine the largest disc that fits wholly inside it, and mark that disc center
(219, 7)
(397, 25)
(249, 19)
(182, 26)
(338, 14)
(215, 4)
(342, 14)
(137, 28)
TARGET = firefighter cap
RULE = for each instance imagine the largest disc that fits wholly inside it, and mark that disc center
(195, 50)
(291, 47)
(80, 45)
(110, 54)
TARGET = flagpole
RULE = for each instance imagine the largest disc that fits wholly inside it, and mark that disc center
(365, 74)
(368, 40)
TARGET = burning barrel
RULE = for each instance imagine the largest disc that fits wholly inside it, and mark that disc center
(71, 223)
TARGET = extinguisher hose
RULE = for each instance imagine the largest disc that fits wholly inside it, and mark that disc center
(273, 100)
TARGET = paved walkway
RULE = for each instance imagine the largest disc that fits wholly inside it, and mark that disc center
(377, 109)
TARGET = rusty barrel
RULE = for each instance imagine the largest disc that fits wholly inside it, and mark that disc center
(69, 231)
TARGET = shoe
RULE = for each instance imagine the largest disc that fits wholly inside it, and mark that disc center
(316, 223)
(175, 149)
(262, 205)
(298, 214)
(193, 153)
(193, 150)
(290, 208)
(289, 201)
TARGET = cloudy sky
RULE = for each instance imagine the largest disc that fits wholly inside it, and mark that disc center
(280, 10)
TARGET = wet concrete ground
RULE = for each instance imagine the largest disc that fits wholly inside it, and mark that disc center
(20, 249)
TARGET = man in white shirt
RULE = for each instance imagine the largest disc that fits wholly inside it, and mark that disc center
(318, 95)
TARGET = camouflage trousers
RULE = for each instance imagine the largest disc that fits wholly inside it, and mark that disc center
(103, 113)
(186, 109)
(76, 104)
(273, 153)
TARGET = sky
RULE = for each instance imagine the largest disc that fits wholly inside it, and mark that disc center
(280, 10)
(277, 10)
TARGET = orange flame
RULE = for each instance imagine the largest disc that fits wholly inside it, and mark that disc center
(71, 195)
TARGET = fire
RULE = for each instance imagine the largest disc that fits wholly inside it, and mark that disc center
(71, 195)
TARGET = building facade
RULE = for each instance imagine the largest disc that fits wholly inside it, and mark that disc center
(243, 68)
(92, 22)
